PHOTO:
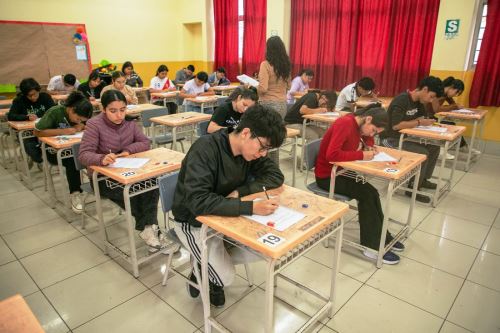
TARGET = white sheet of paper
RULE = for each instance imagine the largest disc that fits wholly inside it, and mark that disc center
(129, 162)
(282, 217)
(381, 157)
(463, 111)
(203, 98)
(247, 80)
(78, 135)
(333, 114)
(131, 106)
(433, 129)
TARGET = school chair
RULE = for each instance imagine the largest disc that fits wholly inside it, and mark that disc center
(167, 184)
(203, 127)
(160, 139)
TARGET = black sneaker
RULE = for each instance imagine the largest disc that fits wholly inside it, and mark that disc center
(389, 258)
(398, 246)
(217, 296)
(193, 291)
(428, 184)
(420, 197)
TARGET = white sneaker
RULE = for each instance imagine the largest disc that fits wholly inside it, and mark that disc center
(448, 156)
(150, 236)
(465, 150)
(76, 202)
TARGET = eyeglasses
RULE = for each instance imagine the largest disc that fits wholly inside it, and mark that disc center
(263, 147)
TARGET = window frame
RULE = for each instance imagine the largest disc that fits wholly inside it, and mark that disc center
(477, 30)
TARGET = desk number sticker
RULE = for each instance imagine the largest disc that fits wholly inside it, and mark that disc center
(128, 173)
(391, 170)
(271, 240)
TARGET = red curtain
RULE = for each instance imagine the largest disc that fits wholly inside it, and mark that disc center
(486, 83)
(344, 40)
(226, 36)
(254, 35)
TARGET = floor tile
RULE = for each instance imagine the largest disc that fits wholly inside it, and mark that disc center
(15, 280)
(45, 313)
(21, 218)
(40, 237)
(373, 311)
(497, 222)
(455, 205)
(248, 315)
(454, 228)
(17, 200)
(440, 253)
(152, 272)
(481, 181)
(423, 286)
(143, 313)
(476, 309)
(492, 243)
(478, 194)
(10, 185)
(485, 270)
(91, 293)
(62, 261)
(452, 328)
(6, 254)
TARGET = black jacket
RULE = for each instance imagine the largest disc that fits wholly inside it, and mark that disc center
(210, 171)
(22, 107)
(96, 92)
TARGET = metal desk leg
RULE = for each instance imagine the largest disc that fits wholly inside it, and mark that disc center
(437, 192)
(16, 157)
(454, 167)
(204, 292)
(269, 297)
(130, 227)
(25, 161)
(62, 176)
(100, 218)
(336, 267)
(481, 135)
(412, 200)
(385, 223)
(294, 156)
(174, 138)
(471, 145)
(153, 129)
(48, 175)
(304, 141)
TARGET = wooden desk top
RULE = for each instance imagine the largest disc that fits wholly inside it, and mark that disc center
(292, 132)
(138, 89)
(155, 167)
(321, 117)
(3, 112)
(59, 143)
(320, 212)
(204, 99)
(6, 101)
(365, 101)
(17, 317)
(407, 161)
(222, 88)
(22, 125)
(478, 114)
(165, 94)
(180, 119)
(58, 98)
(140, 108)
(450, 135)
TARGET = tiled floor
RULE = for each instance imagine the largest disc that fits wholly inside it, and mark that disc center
(447, 280)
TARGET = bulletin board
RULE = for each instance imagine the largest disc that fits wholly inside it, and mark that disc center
(42, 50)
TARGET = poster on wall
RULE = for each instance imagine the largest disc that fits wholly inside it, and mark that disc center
(81, 52)
(451, 28)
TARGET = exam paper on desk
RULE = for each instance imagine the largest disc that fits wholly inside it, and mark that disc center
(129, 163)
(380, 157)
(437, 129)
(283, 218)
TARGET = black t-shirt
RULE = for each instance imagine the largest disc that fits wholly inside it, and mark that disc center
(226, 116)
(293, 115)
(22, 107)
(91, 92)
(402, 108)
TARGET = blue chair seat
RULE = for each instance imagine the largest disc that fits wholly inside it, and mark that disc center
(313, 187)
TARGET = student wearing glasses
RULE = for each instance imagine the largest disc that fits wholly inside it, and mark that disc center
(67, 119)
(120, 85)
(219, 170)
(352, 92)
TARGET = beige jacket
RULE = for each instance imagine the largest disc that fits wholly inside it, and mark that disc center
(127, 91)
(270, 88)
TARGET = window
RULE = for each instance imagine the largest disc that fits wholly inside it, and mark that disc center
(480, 26)
(241, 25)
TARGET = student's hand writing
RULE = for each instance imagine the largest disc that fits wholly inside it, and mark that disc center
(426, 122)
(322, 110)
(109, 159)
(123, 154)
(69, 131)
(368, 155)
(79, 127)
(32, 117)
(266, 207)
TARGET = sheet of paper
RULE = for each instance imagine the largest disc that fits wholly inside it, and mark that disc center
(283, 218)
(78, 135)
(131, 107)
(247, 80)
(129, 162)
(463, 111)
(203, 98)
(432, 129)
(381, 157)
(332, 114)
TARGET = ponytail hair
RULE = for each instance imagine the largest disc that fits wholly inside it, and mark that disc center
(378, 114)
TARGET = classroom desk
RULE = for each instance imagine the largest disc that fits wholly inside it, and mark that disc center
(188, 121)
(139, 89)
(62, 147)
(204, 101)
(396, 175)
(137, 109)
(167, 96)
(59, 98)
(5, 104)
(477, 117)
(324, 217)
(293, 134)
(23, 130)
(179, 85)
(224, 90)
(17, 317)
(363, 102)
(298, 95)
(133, 182)
(446, 140)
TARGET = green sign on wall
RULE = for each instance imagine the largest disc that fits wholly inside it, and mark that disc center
(451, 28)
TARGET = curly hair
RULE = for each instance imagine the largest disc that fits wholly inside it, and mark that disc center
(277, 57)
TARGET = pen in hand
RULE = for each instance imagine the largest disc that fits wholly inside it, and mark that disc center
(265, 191)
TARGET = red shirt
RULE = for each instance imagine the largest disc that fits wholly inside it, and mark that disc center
(341, 143)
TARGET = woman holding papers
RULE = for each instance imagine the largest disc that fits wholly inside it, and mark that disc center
(109, 136)
(67, 119)
(350, 138)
